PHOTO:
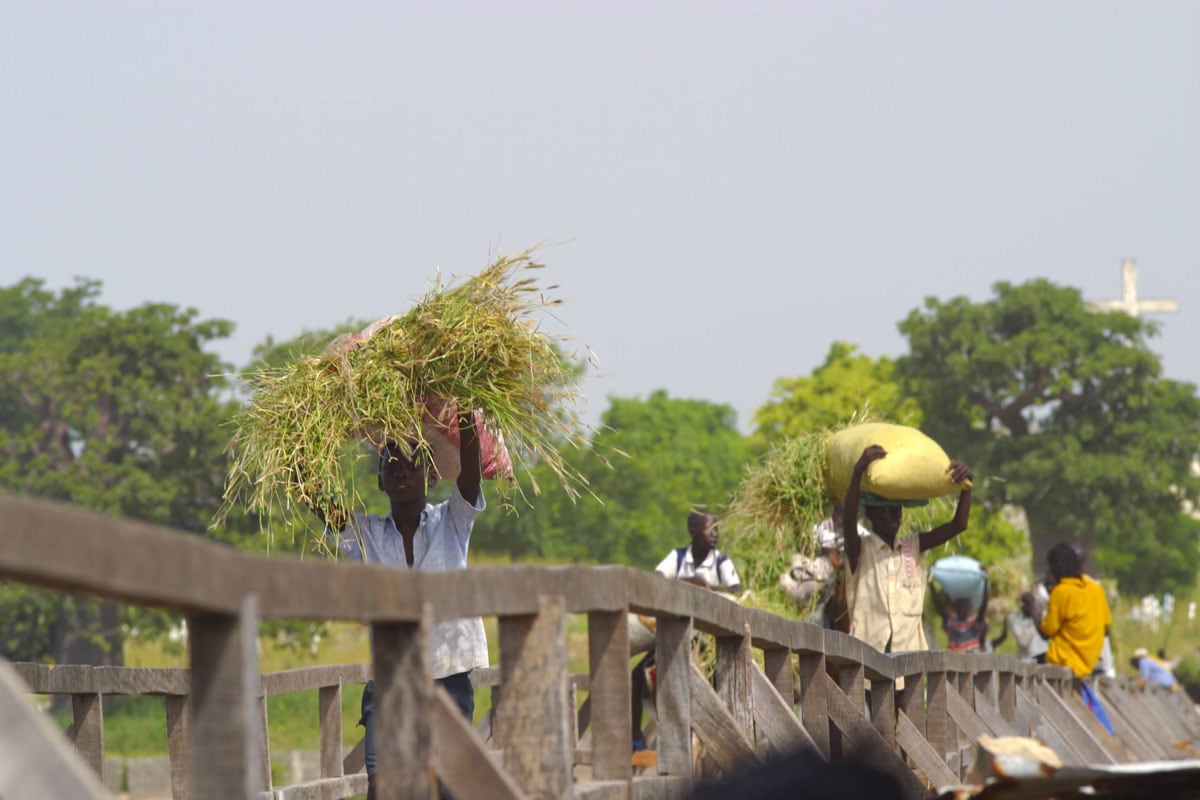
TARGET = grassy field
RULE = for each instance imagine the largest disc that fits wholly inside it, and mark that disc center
(136, 726)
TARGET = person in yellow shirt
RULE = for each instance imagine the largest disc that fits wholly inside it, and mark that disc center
(1077, 620)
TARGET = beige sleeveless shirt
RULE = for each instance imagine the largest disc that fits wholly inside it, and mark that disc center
(886, 594)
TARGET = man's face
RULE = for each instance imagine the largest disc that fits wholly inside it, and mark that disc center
(402, 479)
(885, 520)
(705, 531)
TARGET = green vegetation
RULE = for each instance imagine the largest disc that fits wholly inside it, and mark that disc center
(475, 346)
(845, 383)
(1063, 413)
(1065, 409)
(651, 462)
(116, 411)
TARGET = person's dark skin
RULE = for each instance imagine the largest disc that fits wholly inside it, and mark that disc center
(705, 531)
(961, 609)
(407, 484)
(885, 520)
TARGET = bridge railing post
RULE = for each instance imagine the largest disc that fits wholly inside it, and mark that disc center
(731, 679)
(534, 727)
(226, 751)
(609, 694)
(402, 705)
(329, 716)
(814, 707)
(673, 659)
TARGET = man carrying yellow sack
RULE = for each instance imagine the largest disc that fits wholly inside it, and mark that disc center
(886, 587)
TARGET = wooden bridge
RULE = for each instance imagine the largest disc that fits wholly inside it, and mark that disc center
(777, 685)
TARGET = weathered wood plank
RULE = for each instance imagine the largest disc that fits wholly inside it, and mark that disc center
(305, 678)
(990, 717)
(673, 655)
(776, 719)
(731, 679)
(37, 761)
(87, 729)
(602, 790)
(661, 787)
(179, 734)
(533, 726)
(965, 718)
(197, 577)
(881, 706)
(329, 727)
(1093, 743)
(402, 703)
(722, 734)
(814, 710)
(609, 705)
(462, 761)
(864, 741)
(939, 731)
(225, 748)
(1155, 737)
(1139, 748)
(850, 678)
(922, 754)
(324, 788)
(779, 670)
(1041, 728)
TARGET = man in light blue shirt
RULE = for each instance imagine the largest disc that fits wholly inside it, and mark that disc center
(420, 535)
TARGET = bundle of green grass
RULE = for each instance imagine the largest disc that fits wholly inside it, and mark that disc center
(784, 497)
(476, 345)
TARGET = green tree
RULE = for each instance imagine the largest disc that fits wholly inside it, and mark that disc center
(117, 411)
(1064, 413)
(846, 383)
(651, 462)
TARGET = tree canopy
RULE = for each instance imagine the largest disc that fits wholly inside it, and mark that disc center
(845, 384)
(1064, 412)
(117, 411)
(651, 462)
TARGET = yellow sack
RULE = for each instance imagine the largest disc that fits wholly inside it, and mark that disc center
(915, 467)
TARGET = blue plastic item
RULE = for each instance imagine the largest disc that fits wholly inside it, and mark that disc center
(961, 577)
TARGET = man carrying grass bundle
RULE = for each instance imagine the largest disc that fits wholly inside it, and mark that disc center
(418, 535)
(886, 586)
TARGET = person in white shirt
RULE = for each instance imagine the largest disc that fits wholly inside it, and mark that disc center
(420, 535)
(701, 563)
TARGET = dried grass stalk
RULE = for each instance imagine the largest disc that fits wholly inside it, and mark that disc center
(477, 345)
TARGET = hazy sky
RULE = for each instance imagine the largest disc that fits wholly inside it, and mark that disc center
(736, 184)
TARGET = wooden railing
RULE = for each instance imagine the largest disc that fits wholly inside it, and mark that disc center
(777, 684)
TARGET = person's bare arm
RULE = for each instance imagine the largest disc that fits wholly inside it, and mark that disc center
(943, 533)
(470, 472)
(999, 640)
(981, 617)
(850, 504)
(940, 601)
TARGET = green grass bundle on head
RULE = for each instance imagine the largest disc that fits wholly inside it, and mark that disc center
(777, 506)
(476, 345)
(780, 499)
